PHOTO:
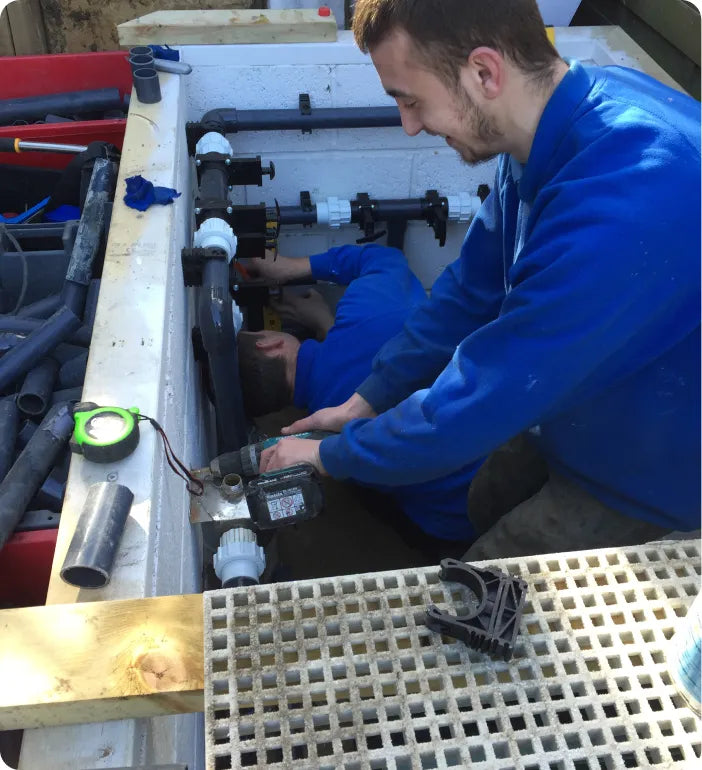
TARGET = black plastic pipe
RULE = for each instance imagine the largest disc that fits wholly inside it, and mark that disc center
(72, 373)
(9, 426)
(50, 495)
(16, 325)
(232, 120)
(45, 274)
(383, 210)
(92, 550)
(61, 353)
(27, 430)
(91, 301)
(89, 235)
(35, 393)
(68, 103)
(21, 358)
(219, 340)
(67, 394)
(42, 308)
(32, 467)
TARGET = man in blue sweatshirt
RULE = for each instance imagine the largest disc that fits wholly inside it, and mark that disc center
(573, 311)
(277, 370)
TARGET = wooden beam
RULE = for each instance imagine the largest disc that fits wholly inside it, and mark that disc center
(299, 25)
(27, 25)
(92, 662)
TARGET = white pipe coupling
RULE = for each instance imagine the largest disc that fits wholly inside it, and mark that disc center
(334, 212)
(462, 207)
(213, 142)
(216, 233)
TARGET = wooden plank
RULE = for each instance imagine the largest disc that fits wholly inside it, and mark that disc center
(96, 661)
(299, 25)
(27, 27)
(7, 47)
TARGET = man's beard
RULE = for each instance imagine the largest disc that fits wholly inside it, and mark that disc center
(481, 125)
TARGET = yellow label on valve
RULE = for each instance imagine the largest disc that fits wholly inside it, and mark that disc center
(271, 320)
(551, 35)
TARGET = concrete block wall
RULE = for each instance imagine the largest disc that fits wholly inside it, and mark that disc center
(383, 162)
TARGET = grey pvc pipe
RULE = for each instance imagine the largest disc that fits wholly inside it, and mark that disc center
(9, 425)
(141, 60)
(174, 67)
(92, 550)
(32, 467)
(146, 85)
(37, 388)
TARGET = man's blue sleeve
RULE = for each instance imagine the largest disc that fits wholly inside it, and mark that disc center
(466, 296)
(596, 292)
(344, 264)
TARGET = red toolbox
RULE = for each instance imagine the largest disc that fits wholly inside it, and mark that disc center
(25, 561)
(59, 73)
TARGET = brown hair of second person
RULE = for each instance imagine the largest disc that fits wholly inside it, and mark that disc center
(445, 32)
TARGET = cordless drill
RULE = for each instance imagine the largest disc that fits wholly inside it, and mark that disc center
(245, 461)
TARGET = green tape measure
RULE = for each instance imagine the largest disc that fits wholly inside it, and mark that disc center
(104, 434)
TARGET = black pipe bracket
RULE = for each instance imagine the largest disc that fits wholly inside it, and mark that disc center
(493, 624)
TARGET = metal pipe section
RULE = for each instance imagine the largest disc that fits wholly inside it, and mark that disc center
(92, 550)
(32, 467)
(232, 121)
(38, 385)
(9, 425)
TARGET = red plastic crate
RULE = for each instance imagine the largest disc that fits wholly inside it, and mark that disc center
(25, 568)
(59, 73)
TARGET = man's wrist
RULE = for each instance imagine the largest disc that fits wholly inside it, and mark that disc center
(358, 408)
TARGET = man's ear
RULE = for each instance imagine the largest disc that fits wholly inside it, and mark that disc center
(269, 344)
(484, 73)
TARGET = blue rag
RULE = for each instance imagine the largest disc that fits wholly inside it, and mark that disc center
(165, 52)
(141, 193)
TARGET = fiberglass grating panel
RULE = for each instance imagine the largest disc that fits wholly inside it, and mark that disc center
(341, 672)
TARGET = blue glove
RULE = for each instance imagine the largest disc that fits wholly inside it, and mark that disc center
(141, 194)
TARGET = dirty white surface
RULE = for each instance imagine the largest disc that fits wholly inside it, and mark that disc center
(140, 356)
(342, 672)
(141, 352)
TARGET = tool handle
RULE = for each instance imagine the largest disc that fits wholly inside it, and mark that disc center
(9, 144)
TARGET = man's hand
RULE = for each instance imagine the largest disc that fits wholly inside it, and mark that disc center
(333, 418)
(292, 451)
(309, 309)
(280, 269)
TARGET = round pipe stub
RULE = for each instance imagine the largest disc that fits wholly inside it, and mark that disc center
(232, 487)
(146, 85)
(141, 60)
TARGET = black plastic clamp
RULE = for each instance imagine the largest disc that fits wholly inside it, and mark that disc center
(436, 213)
(366, 219)
(305, 109)
(193, 261)
(492, 626)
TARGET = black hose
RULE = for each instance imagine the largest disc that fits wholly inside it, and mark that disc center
(67, 394)
(9, 425)
(32, 467)
(33, 397)
(27, 430)
(50, 495)
(69, 103)
(92, 550)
